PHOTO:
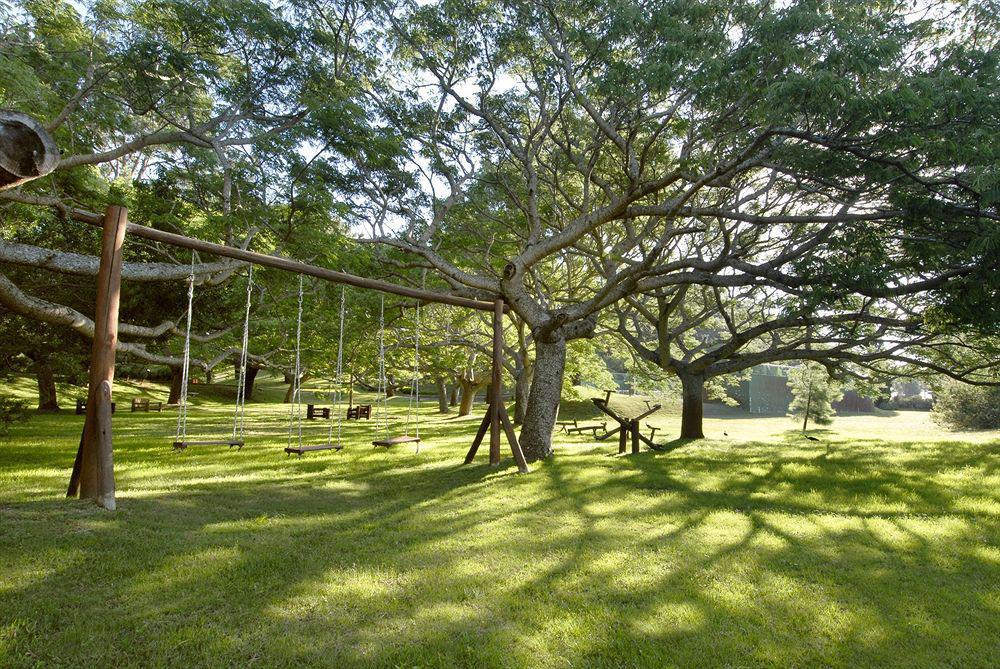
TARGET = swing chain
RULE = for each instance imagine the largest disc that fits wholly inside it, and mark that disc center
(338, 387)
(295, 417)
(380, 395)
(239, 419)
(181, 434)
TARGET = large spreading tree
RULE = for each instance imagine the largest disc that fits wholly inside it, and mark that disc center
(668, 143)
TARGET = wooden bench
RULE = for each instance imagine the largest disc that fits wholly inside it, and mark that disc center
(81, 407)
(313, 412)
(144, 404)
(360, 411)
(573, 427)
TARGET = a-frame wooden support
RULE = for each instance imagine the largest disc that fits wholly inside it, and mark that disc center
(627, 427)
(496, 417)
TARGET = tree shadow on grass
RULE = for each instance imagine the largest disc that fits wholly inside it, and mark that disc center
(758, 556)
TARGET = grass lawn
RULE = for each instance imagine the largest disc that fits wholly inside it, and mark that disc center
(878, 546)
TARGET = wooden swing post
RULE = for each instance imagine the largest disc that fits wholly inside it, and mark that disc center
(93, 471)
(496, 417)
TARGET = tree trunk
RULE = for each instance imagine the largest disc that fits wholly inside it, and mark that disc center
(248, 381)
(693, 410)
(453, 395)
(469, 390)
(176, 380)
(442, 392)
(291, 387)
(209, 376)
(47, 400)
(543, 400)
(522, 391)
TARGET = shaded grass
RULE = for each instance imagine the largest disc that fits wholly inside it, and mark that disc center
(879, 546)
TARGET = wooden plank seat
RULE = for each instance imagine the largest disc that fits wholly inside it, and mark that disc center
(181, 445)
(392, 441)
(580, 429)
(313, 412)
(563, 424)
(299, 450)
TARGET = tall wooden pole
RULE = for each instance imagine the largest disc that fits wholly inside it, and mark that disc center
(94, 475)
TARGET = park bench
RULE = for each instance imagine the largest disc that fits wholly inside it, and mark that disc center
(313, 412)
(360, 411)
(573, 427)
(144, 404)
(81, 406)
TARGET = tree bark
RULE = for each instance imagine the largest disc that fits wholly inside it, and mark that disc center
(176, 381)
(469, 390)
(251, 377)
(453, 395)
(442, 393)
(693, 409)
(543, 400)
(522, 391)
(291, 386)
(47, 400)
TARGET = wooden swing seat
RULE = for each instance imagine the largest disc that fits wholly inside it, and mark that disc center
(299, 450)
(181, 445)
(392, 441)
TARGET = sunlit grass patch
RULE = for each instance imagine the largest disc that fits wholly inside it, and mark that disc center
(876, 547)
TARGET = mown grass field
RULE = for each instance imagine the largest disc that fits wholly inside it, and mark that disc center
(878, 546)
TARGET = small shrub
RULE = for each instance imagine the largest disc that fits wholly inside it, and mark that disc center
(963, 407)
(11, 411)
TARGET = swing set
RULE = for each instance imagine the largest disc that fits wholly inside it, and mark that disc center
(181, 440)
(93, 469)
(295, 416)
(381, 396)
